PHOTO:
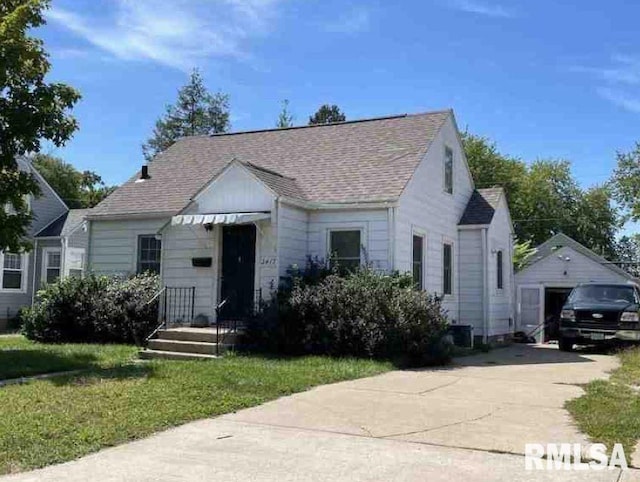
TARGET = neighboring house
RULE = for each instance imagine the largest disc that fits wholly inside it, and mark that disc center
(549, 275)
(59, 244)
(229, 214)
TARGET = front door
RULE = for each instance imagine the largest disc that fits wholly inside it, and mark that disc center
(531, 310)
(238, 271)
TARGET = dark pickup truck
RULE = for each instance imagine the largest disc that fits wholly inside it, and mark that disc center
(597, 313)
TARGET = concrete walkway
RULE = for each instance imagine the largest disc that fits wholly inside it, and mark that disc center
(467, 422)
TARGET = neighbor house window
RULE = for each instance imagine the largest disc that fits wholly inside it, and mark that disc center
(448, 170)
(447, 269)
(499, 270)
(418, 261)
(52, 265)
(149, 249)
(13, 271)
(344, 249)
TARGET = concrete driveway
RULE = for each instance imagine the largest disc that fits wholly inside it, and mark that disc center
(470, 420)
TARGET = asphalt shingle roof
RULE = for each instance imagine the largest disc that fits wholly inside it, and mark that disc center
(65, 224)
(482, 206)
(368, 160)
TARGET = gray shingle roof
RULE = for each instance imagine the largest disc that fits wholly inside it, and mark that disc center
(482, 206)
(65, 224)
(368, 160)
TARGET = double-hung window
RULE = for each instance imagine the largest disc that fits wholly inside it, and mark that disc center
(13, 273)
(149, 250)
(344, 248)
(418, 261)
(52, 265)
(448, 170)
(447, 269)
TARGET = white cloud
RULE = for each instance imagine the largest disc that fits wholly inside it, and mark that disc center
(176, 33)
(621, 99)
(481, 8)
(615, 80)
(356, 20)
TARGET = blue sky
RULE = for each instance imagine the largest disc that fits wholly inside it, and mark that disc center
(543, 79)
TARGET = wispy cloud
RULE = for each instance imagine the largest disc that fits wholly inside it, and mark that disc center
(488, 9)
(617, 80)
(176, 33)
(355, 20)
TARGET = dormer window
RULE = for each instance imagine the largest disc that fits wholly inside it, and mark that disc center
(448, 170)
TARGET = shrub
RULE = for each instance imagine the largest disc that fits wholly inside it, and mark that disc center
(98, 309)
(364, 313)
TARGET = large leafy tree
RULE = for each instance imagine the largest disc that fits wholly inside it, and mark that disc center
(77, 189)
(626, 181)
(31, 110)
(628, 249)
(196, 112)
(327, 114)
(545, 198)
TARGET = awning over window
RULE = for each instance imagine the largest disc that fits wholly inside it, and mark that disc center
(228, 218)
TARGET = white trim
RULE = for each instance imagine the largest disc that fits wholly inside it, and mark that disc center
(45, 263)
(24, 281)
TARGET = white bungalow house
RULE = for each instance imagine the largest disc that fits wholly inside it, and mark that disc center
(556, 267)
(58, 241)
(228, 214)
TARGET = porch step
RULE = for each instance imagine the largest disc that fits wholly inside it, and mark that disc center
(180, 346)
(202, 335)
(172, 355)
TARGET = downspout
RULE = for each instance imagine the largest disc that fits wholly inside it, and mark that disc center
(35, 267)
(391, 221)
(89, 243)
(485, 286)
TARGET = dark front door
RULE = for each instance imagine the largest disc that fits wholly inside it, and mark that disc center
(238, 270)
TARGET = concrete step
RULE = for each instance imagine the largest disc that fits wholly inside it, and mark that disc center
(171, 355)
(180, 346)
(202, 335)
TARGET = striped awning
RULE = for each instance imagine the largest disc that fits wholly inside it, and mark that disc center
(226, 218)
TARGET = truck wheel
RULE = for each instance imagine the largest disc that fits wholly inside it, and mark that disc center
(565, 344)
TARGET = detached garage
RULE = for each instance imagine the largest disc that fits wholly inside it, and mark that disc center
(550, 274)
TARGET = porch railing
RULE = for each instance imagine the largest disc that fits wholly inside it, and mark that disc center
(177, 305)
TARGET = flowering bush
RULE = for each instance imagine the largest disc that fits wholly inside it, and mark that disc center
(97, 309)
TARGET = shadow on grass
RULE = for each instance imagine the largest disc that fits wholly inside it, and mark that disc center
(16, 363)
(97, 375)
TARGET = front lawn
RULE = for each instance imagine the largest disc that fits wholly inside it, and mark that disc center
(609, 411)
(20, 357)
(55, 420)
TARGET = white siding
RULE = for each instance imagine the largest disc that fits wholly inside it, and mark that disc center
(374, 225)
(114, 244)
(500, 300)
(426, 206)
(471, 274)
(235, 190)
(550, 271)
(293, 237)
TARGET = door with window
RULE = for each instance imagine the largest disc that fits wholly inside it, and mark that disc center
(237, 284)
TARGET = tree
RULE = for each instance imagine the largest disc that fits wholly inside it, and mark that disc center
(285, 118)
(327, 114)
(626, 181)
(77, 189)
(628, 250)
(522, 252)
(544, 197)
(31, 110)
(196, 112)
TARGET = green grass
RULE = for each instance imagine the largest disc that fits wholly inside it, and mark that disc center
(20, 357)
(58, 419)
(609, 411)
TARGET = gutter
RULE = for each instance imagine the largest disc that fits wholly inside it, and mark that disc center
(485, 284)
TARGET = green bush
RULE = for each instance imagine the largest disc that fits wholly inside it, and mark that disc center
(363, 313)
(95, 309)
